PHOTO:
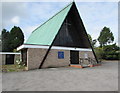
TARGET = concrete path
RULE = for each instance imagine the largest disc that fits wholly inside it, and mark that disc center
(101, 78)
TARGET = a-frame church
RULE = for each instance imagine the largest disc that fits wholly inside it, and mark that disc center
(60, 41)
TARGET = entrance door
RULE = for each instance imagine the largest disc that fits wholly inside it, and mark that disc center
(74, 57)
(9, 59)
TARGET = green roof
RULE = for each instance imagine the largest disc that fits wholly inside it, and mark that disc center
(45, 34)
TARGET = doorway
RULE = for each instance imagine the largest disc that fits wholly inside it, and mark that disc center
(9, 59)
(74, 57)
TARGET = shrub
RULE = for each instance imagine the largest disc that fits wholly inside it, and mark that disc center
(99, 53)
(20, 63)
(108, 52)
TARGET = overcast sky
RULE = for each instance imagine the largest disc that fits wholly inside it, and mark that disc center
(29, 15)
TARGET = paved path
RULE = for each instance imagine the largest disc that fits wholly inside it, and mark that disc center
(101, 78)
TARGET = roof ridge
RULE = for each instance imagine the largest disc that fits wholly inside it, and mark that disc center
(53, 16)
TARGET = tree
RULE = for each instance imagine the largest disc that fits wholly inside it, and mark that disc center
(11, 40)
(93, 42)
(16, 37)
(105, 37)
(5, 40)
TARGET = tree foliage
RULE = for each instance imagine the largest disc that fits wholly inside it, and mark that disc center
(16, 37)
(106, 37)
(93, 42)
(99, 53)
(5, 40)
(111, 52)
(108, 52)
(11, 40)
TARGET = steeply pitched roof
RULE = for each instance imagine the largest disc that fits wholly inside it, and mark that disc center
(45, 34)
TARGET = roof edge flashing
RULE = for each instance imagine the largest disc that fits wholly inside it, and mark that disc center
(53, 47)
(20, 47)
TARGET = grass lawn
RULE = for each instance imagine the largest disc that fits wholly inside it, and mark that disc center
(12, 68)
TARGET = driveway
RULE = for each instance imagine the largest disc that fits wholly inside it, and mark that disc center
(99, 78)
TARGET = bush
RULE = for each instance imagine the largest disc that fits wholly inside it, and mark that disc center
(112, 57)
(20, 63)
(99, 53)
(108, 52)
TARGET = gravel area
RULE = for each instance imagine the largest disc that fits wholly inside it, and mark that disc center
(99, 78)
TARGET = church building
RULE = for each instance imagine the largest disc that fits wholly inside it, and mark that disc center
(61, 41)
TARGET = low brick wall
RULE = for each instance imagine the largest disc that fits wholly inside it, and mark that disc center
(35, 57)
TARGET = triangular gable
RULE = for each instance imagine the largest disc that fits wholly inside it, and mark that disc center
(45, 34)
(72, 32)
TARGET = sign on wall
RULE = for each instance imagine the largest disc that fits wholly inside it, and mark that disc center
(86, 55)
(60, 55)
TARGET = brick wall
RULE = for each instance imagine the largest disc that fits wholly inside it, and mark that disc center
(53, 61)
(35, 56)
(86, 54)
(83, 54)
(17, 57)
(2, 59)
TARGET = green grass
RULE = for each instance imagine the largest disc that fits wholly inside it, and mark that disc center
(12, 68)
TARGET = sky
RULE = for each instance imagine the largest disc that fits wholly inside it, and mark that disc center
(29, 15)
